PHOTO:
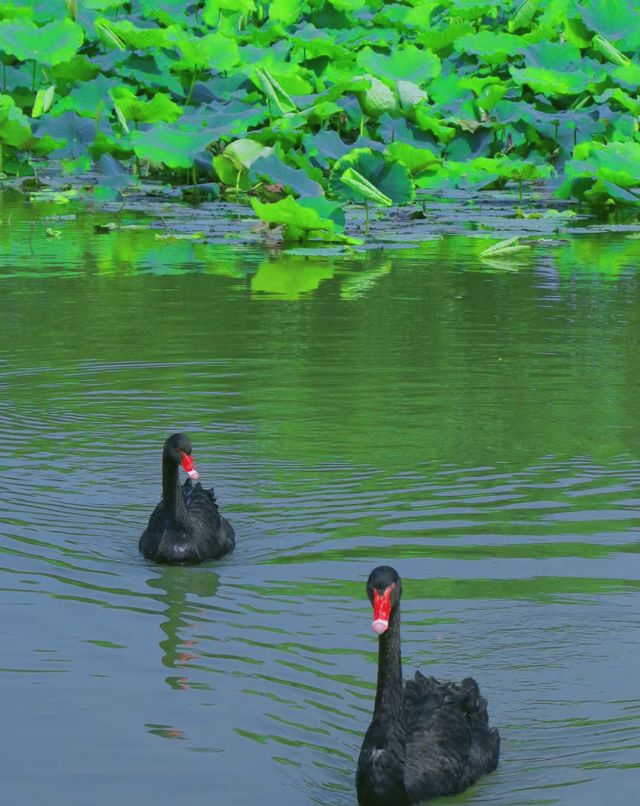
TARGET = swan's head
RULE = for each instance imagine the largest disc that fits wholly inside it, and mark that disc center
(384, 590)
(178, 449)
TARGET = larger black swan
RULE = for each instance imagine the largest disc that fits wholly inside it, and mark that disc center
(186, 526)
(426, 738)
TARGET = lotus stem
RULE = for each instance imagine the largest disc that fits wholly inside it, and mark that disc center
(191, 86)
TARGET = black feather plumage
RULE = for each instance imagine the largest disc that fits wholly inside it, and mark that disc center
(186, 526)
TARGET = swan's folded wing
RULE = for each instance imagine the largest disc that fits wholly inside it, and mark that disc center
(449, 744)
(438, 739)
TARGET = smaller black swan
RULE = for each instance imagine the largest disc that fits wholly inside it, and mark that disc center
(186, 526)
(426, 738)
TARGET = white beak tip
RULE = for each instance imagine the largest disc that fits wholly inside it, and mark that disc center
(379, 626)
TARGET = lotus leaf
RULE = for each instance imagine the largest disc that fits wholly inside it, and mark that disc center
(298, 220)
(212, 51)
(14, 126)
(272, 169)
(49, 44)
(389, 178)
(140, 110)
(407, 63)
(133, 37)
(169, 145)
(285, 11)
(494, 48)
(74, 133)
(417, 160)
(552, 82)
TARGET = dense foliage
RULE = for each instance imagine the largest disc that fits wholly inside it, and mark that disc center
(306, 101)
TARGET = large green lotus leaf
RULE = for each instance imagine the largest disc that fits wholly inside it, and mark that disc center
(491, 47)
(390, 177)
(244, 152)
(441, 39)
(553, 55)
(132, 36)
(512, 169)
(628, 76)
(290, 77)
(309, 42)
(299, 222)
(142, 110)
(392, 129)
(429, 121)
(151, 71)
(74, 71)
(213, 51)
(348, 5)
(407, 62)
(285, 11)
(111, 144)
(273, 170)
(453, 175)
(611, 18)
(74, 133)
(49, 44)
(14, 126)
(447, 89)
(169, 145)
(417, 160)
(523, 15)
(327, 145)
(618, 163)
(621, 97)
(475, 9)
(597, 192)
(103, 5)
(214, 8)
(552, 82)
(46, 10)
(10, 11)
(226, 121)
(165, 12)
(87, 98)
(326, 209)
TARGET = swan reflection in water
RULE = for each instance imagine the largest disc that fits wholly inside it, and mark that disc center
(179, 587)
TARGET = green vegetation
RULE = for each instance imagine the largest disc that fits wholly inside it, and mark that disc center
(310, 104)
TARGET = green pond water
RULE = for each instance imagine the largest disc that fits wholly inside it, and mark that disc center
(475, 425)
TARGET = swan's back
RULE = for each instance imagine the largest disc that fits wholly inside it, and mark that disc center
(449, 742)
(204, 535)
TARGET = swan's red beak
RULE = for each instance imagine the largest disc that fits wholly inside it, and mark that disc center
(187, 466)
(381, 610)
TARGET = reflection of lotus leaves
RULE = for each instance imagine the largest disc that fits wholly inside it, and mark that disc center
(289, 277)
(360, 282)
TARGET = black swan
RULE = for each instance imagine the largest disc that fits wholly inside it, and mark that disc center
(426, 738)
(186, 526)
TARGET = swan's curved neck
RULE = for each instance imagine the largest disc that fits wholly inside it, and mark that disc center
(389, 707)
(171, 488)
(381, 766)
